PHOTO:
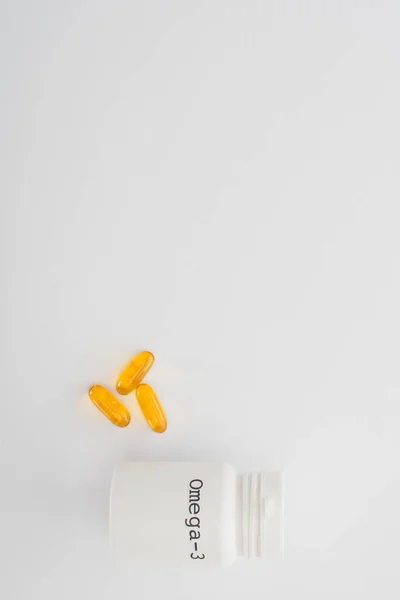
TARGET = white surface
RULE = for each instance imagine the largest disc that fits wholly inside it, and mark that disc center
(217, 182)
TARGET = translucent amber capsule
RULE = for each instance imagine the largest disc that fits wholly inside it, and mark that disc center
(151, 408)
(134, 373)
(109, 406)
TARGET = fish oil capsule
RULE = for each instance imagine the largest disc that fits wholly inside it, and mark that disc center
(134, 373)
(109, 406)
(151, 408)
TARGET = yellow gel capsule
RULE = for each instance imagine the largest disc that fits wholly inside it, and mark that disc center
(109, 406)
(134, 373)
(151, 408)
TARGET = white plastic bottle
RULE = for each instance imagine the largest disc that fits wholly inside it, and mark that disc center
(199, 514)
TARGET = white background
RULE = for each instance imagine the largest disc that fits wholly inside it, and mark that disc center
(217, 182)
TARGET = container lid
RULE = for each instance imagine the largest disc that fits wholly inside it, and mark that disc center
(262, 515)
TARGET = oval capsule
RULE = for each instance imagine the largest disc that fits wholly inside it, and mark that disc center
(151, 408)
(109, 406)
(134, 373)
